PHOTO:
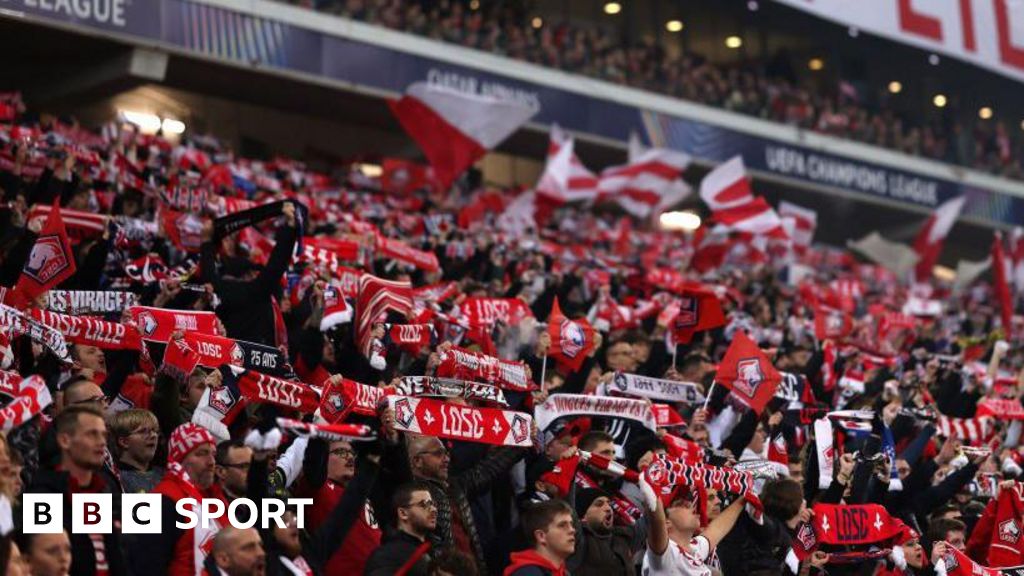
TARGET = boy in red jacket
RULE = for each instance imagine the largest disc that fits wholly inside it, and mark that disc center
(550, 526)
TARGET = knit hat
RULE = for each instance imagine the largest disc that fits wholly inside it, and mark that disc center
(186, 438)
(336, 310)
(585, 497)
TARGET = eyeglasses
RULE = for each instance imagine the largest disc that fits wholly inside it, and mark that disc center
(237, 465)
(424, 504)
(145, 432)
(343, 453)
(437, 453)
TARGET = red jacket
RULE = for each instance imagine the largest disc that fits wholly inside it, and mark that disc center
(528, 558)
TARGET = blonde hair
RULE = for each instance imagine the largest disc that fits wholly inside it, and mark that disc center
(123, 423)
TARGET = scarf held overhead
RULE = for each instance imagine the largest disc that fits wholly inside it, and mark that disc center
(456, 422)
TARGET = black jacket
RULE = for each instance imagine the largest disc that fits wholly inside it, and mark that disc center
(83, 550)
(395, 550)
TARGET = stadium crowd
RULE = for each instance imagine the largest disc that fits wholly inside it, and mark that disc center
(184, 322)
(748, 88)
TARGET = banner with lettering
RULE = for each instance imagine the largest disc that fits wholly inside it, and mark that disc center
(91, 331)
(653, 388)
(215, 351)
(89, 301)
(257, 387)
(480, 311)
(985, 34)
(157, 324)
(342, 396)
(458, 422)
(848, 524)
(466, 365)
(574, 405)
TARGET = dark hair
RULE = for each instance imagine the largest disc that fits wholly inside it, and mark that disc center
(451, 561)
(590, 439)
(67, 421)
(939, 511)
(540, 515)
(224, 447)
(782, 498)
(939, 527)
(403, 497)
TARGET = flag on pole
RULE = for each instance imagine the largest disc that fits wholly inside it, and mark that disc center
(454, 128)
(748, 373)
(648, 182)
(565, 178)
(571, 340)
(928, 243)
(50, 262)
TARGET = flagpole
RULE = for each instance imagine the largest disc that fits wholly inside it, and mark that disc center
(543, 370)
(708, 398)
(675, 352)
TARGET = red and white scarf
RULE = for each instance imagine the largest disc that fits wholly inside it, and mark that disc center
(92, 331)
(157, 324)
(412, 338)
(465, 365)
(340, 397)
(214, 351)
(258, 387)
(89, 301)
(31, 399)
(457, 422)
(19, 324)
(421, 386)
(573, 405)
(331, 432)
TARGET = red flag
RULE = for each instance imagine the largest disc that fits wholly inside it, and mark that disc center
(404, 176)
(49, 263)
(455, 129)
(699, 310)
(1001, 286)
(748, 373)
(831, 323)
(571, 340)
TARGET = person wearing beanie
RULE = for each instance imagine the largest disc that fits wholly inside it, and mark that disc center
(602, 547)
(191, 451)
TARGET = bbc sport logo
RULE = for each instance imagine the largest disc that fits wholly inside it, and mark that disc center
(141, 513)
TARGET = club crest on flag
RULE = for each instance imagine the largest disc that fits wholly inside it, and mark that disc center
(335, 402)
(146, 323)
(404, 414)
(951, 563)
(520, 429)
(805, 535)
(656, 472)
(47, 259)
(237, 356)
(749, 376)
(688, 315)
(834, 323)
(572, 338)
(1009, 531)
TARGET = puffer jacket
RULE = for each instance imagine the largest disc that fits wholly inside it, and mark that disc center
(458, 491)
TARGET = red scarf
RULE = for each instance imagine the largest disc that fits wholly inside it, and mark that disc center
(157, 324)
(458, 422)
(92, 331)
(465, 365)
(997, 539)
(847, 525)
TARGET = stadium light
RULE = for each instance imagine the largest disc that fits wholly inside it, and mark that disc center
(537, 22)
(933, 59)
(895, 87)
(939, 100)
(816, 64)
(147, 123)
(371, 170)
(172, 126)
(612, 8)
(985, 113)
(474, 5)
(753, 5)
(685, 221)
(853, 31)
(733, 42)
(674, 26)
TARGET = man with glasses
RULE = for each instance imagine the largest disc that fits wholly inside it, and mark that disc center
(406, 549)
(329, 479)
(456, 525)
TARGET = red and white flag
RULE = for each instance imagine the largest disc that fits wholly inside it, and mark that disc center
(1016, 257)
(928, 243)
(748, 373)
(649, 182)
(571, 340)
(804, 222)
(454, 128)
(49, 263)
(565, 178)
(79, 224)
(726, 190)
